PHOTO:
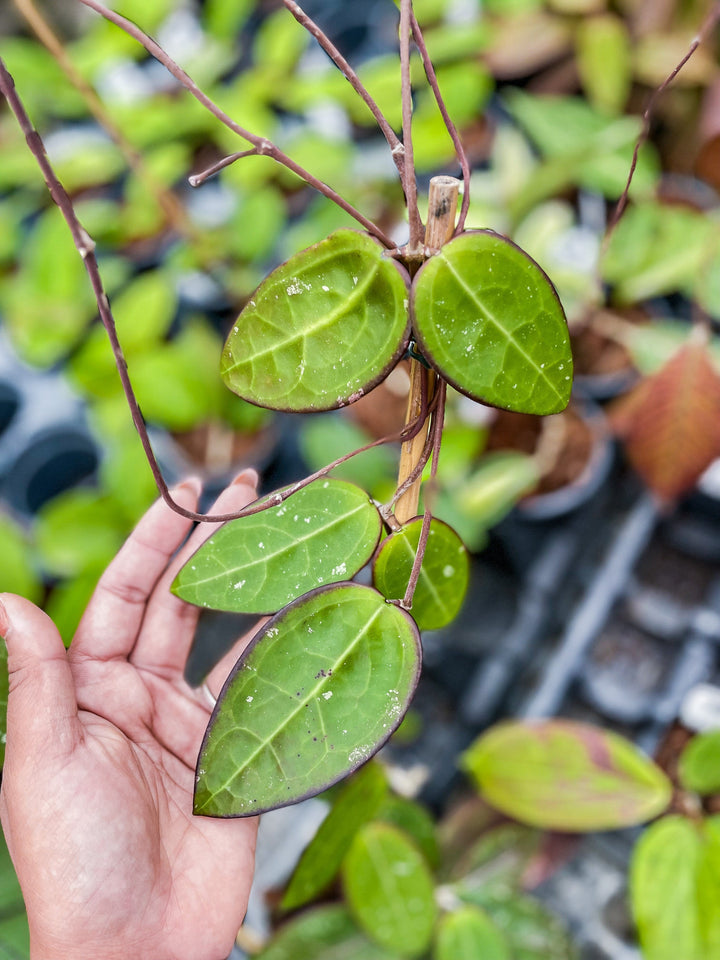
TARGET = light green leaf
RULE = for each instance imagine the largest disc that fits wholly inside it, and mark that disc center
(328, 437)
(468, 933)
(494, 488)
(415, 821)
(320, 688)
(564, 775)
(444, 573)
(390, 889)
(326, 933)
(78, 530)
(358, 802)
(604, 59)
(322, 329)
(489, 320)
(708, 888)
(532, 932)
(663, 890)
(699, 766)
(17, 569)
(322, 534)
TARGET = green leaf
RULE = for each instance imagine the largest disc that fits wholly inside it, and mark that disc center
(17, 569)
(532, 932)
(322, 534)
(320, 688)
(708, 888)
(444, 573)
(494, 488)
(468, 933)
(390, 889)
(328, 437)
(663, 890)
(357, 803)
(564, 775)
(326, 933)
(78, 530)
(699, 767)
(488, 319)
(415, 821)
(604, 59)
(322, 329)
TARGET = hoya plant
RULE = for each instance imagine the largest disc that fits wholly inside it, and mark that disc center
(329, 676)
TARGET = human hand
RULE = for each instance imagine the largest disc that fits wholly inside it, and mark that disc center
(96, 799)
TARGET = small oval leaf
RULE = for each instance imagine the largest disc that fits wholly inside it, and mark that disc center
(468, 933)
(564, 775)
(326, 933)
(663, 890)
(390, 889)
(444, 573)
(322, 534)
(487, 317)
(699, 766)
(322, 329)
(359, 801)
(317, 692)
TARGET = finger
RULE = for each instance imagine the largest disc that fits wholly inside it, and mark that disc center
(169, 625)
(220, 672)
(42, 714)
(112, 620)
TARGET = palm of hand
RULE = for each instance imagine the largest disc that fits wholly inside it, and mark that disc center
(100, 806)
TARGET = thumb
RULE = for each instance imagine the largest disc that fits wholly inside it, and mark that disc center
(42, 706)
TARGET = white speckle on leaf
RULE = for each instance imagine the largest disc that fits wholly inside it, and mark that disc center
(248, 699)
(239, 584)
(327, 694)
(325, 288)
(340, 570)
(448, 570)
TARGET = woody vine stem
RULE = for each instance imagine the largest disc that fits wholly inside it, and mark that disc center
(425, 401)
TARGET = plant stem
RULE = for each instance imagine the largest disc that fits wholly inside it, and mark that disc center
(709, 24)
(174, 212)
(442, 208)
(263, 147)
(449, 125)
(408, 174)
(86, 248)
(396, 147)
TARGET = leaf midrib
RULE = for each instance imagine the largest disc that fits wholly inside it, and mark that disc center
(301, 705)
(266, 558)
(496, 323)
(325, 321)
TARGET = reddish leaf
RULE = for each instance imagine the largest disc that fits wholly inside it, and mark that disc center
(670, 424)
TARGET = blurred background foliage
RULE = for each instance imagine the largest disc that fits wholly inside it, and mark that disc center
(548, 96)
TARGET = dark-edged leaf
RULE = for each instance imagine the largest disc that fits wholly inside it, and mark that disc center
(390, 890)
(322, 534)
(444, 573)
(358, 802)
(322, 329)
(488, 319)
(326, 933)
(468, 933)
(699, 766)
(320, 688)
(564, 775)
(670, 423)
(663, 890)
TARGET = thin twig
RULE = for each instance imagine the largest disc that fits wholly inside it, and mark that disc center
(174, 212)
(396, 147)
(86, 248)
(263, 147)
(199, 178)
(708, 25)
(449, 125)
(408, 178)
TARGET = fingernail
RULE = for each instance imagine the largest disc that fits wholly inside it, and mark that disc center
(4, 620)
(191, 484)
(249, 476)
